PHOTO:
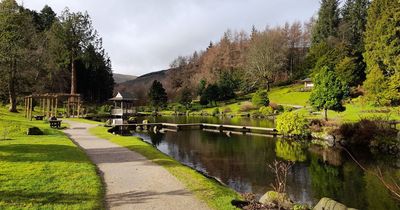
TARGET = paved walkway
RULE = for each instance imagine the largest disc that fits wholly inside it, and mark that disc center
(132, 181)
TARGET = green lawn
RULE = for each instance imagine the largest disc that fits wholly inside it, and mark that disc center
(44, 172)
(357, 111)
(285, 95)
(210, 191)
(289, 95)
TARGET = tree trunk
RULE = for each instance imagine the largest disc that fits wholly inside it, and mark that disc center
(73, 77)
(268, 86)
(326, 114)
(11, 89)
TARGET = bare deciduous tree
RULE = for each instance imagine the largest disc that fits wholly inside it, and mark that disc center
(266, 57)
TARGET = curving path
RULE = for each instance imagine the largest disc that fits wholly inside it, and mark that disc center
(132, 181)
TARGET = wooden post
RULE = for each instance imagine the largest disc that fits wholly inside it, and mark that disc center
(25, 107)
(43, 105)
(68, 108)
(25, 113)
(30, 108)
(48, 108)
(79, 107)
(53, 103)
(73, 109)
(55, 107)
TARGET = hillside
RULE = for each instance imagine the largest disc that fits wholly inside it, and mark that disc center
(140, 86)
(120, 78)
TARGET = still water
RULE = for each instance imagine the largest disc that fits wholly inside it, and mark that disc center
(241, 162)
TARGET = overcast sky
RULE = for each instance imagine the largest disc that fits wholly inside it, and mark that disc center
(146, 35)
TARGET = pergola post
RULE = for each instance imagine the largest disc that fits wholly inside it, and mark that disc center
(43, 105)
(25, 107)
(68, 108)
(30, 108)
(79, 107)
(55, 107)
(48, 107)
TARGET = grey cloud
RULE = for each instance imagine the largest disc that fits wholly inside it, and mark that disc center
(144, 36)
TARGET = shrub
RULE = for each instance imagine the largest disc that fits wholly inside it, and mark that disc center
(246, 107)
(260, 98)
(105, 109)
(179, 108)
(215, 112)
(291, 123)
(266, 110)
(287, 108)
(227, 110)
(273, 105)
(203, 100)
(365, 131)
(256, 114)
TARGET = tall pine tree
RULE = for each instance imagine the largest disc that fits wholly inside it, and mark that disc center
(382, 52)
(157, 95)
(327, 22)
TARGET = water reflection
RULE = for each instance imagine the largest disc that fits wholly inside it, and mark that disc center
(240, 161)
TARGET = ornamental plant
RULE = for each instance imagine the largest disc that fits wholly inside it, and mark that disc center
(292, 124)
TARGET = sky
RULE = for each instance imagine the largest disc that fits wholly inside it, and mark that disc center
(142, 36)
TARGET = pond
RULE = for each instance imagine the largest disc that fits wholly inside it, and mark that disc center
(241, 162)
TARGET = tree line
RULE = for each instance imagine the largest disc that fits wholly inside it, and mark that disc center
(355, 50)
(41, 52)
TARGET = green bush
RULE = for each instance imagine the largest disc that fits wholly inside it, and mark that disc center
(256, 114)
(287, 108)
(291, 123)
(227, 110)
(260, 98)
(105, 109)
(215, 112)
(179, 108)
(266, 110)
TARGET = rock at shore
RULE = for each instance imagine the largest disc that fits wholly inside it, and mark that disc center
(329, 204)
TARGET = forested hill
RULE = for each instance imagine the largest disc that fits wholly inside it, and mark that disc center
(120, 78)
(140, 86)
(233, 63)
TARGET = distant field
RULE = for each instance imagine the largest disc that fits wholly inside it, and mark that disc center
(287, 95)
(290, 95)
(44, 172)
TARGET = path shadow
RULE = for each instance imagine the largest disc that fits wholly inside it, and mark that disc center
(113, 155)
(136, 197)
(123, 155)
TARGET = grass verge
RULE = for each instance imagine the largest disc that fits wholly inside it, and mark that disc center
(207, 190)
(44, 172)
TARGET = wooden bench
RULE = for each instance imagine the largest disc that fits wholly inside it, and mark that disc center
(55, 123)
(38, 117)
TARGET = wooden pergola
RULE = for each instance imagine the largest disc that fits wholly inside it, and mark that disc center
(49, 103)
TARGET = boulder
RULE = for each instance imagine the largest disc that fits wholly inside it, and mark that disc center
(33, 131)
(273, 197)
(329, 204)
